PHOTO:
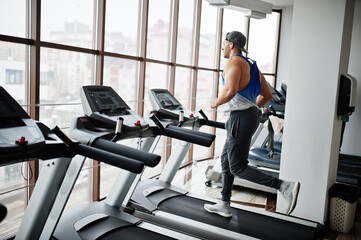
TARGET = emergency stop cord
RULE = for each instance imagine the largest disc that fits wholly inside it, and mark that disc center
(23, 142)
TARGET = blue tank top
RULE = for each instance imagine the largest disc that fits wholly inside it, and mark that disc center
(253, 89)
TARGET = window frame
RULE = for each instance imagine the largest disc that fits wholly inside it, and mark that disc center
(32, 72)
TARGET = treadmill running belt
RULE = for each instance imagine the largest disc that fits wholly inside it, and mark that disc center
(134, 233)
(244, 222)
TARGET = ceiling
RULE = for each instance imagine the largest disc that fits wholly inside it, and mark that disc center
(279, 4)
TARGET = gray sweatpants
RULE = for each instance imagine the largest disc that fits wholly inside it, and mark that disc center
(240, 127)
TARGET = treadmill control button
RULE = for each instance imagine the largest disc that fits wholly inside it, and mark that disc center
(22, 140)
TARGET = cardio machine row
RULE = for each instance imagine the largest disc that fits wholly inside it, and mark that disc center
(22, 139)
(108, 118)
(157, 200)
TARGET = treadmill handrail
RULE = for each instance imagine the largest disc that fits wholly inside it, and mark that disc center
(113, 159)
(183, 134)
(148, 159)
(211, 123)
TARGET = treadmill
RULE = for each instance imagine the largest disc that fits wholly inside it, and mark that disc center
(269, 156)
(22, 139)
(158, 201)
(349, 166)
(109, 119)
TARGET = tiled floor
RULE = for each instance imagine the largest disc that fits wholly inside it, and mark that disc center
(192, 178)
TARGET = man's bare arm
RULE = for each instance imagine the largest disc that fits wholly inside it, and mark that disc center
(265, 94)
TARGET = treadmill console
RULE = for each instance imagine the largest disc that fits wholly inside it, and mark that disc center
(17, 130)
(103, 105)
(166, 105)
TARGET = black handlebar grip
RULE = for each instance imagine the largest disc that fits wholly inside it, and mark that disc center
(100, 155)
(192, 132)
(110, 158)
(56, 130)
(149, 159)
(3, 212)
(203, 141)
(203, 114)
(215, 124)
(210, 122)
(156, 121)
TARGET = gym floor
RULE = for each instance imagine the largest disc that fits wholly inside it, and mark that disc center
(192, 178)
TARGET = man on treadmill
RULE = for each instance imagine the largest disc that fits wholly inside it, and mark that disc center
(245, 90)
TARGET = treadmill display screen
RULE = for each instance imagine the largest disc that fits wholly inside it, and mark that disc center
(167, 100)
(107, 102)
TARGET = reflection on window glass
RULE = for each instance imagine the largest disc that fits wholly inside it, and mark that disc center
(13, 17)
(183, 86)
(68, 22)
(12, 70)
(109, 173)
(232, 21)
(270, 79)
(205, 85)
(122, 76)
(158, 30)
(264, 52)
(185, 32)
(221, 117)
(13, 199)
(208, 41)
(121, 27)
(60, 115)
(156, 76)
(160, 147)
(81, 192)
(62, 73)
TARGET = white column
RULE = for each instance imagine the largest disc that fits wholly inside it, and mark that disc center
(319, 53)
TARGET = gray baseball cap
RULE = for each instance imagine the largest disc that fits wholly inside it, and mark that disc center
(238, 39)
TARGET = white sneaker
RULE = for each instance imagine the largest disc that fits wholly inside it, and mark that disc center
(290, 191)
(222, 208)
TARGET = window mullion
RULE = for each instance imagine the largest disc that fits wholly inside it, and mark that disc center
(98, 40)
(99, 36)
(216, 74)
(143, 51)
(34, 81)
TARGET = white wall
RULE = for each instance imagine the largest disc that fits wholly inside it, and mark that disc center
(284, 47)
(318, 55)
(352, 134)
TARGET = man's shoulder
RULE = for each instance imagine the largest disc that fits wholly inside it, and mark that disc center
(238, 63)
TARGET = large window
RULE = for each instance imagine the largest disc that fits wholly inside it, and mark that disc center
(265, 52)
(158, 44)
(64, 72)
(183, 86)
(132, 46)
(13, 70)
(122, 27)
(121, 75)
(233, 21)
(13, 18)
(205, 86)
(68, 22)
(208, 33)
(185, 32)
